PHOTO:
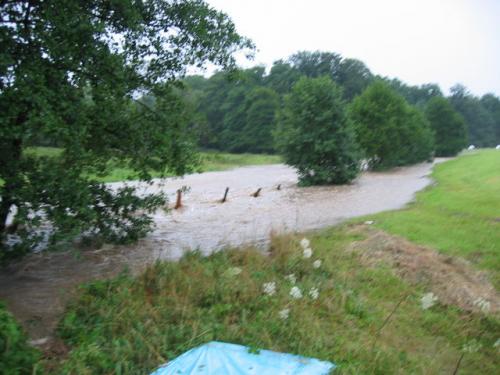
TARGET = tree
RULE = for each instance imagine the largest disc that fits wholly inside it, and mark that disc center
(239, 111)
(389, 130)
(315, 135)
(354, 77)
(417, 138)
(492, 104)
(261, 105)
(282, 77)
(209, 105)
(480, 124)
(448, 125)
(70, 71)
(316, 64)
(415, 95)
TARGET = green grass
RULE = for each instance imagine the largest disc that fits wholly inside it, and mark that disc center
(219, 161)
(129, 325)
(210, 161)
(459, 215)
(44, 151)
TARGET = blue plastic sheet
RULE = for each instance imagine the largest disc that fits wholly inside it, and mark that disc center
(218, 358)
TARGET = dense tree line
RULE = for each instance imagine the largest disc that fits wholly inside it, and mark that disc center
(481, 115)
(238, 111)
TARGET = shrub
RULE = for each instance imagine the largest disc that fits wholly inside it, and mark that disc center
(390, 131)
(448, 125)
(16, 356)
(315, 135)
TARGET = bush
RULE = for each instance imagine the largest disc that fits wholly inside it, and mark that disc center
(448, 125)
(391, 132)
(418, 138)
(16, 356)
(315, 135)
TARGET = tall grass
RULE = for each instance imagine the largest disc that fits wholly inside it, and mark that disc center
(366, 320)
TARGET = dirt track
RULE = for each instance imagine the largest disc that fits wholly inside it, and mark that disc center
(453, 280)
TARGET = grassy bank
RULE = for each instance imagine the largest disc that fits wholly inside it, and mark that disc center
(210, 161)
(459, 215)
(365, 319)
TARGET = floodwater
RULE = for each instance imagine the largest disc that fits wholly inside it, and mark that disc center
(37, 288)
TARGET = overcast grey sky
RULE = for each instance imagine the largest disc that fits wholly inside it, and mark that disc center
(417, 41)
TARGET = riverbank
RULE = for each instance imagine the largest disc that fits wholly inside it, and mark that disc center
(38, 287)
(369, 314)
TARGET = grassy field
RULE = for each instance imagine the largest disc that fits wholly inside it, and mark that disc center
(460, 214)
(210, 161)
(361, 316)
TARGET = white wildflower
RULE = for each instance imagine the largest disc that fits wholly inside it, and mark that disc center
(305, 243)
(269, 288)
(307, 253)
(314, 293)
(296, 293)
(291, 278)
(482, 304)
(428, 300)
(472, 346)
(284, 314)
(317, 263)
(234, 271)
(369, 222)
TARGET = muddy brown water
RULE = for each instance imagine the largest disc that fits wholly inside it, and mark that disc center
(37, 288)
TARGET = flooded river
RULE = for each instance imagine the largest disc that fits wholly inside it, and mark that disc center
(37, 287)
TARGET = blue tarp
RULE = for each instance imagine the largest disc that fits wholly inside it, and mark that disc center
(218, 358)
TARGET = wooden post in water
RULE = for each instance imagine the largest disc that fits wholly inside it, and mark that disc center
(225, 195)
(256, 194)
(178, 203)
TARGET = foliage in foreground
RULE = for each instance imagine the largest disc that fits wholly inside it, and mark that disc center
(315, 135)
(390, 131)
(16, 356)
(459, 214)
(335, 309)
(69, 73)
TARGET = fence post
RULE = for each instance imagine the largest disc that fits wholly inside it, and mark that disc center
(225, 195)
(178, 203)
(256, 194)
